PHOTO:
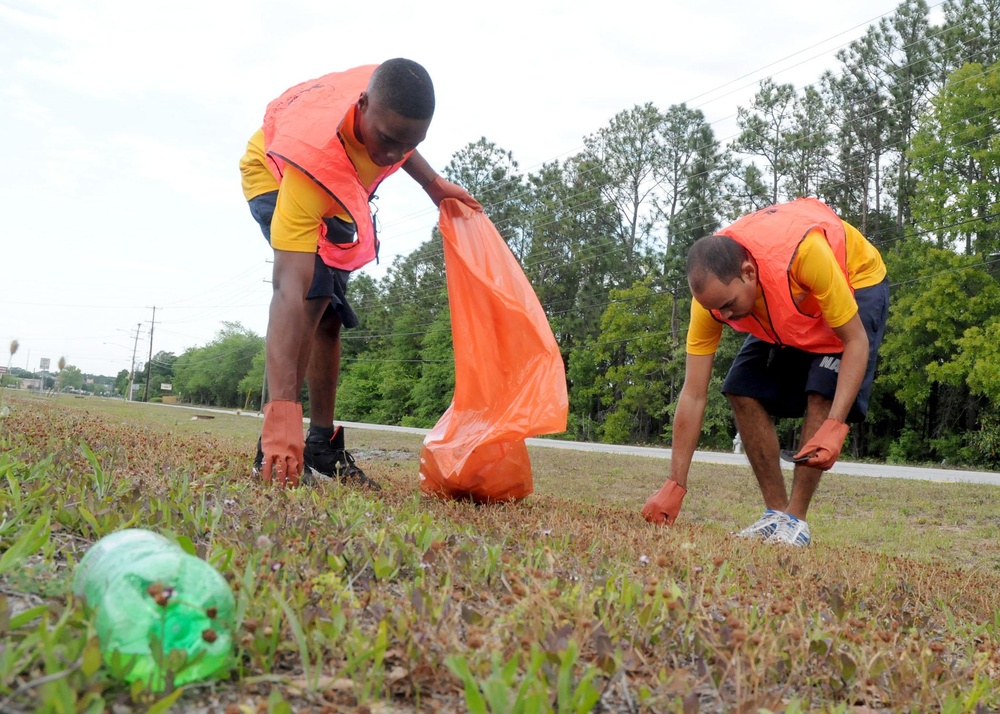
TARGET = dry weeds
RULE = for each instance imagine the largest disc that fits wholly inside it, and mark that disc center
(354, 601)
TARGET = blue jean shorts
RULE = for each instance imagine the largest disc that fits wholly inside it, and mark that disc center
(781, 378)
(327, 283)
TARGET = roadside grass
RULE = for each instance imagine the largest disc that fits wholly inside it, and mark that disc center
(566, 602)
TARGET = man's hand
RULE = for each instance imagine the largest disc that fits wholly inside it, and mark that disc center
(282, 442)
(439, 189)
(824, 447)
(664, 505)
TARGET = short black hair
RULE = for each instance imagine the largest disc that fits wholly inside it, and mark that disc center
(403, 86)
(716, 255)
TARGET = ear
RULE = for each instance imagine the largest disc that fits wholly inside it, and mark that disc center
(363, 101)
(749, 271)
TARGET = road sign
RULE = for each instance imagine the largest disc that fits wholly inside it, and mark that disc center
(3, 370)
(44, 364)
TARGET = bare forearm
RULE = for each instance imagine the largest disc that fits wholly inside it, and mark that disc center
(418, 168)
(689, 415)
(288, 330)
(285, 331)
(853, 364)
(687, 433)
(436, 187)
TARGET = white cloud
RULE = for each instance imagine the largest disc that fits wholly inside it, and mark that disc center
(191, 172)
(124, 122)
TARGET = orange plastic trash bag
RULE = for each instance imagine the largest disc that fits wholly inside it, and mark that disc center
(510, 382)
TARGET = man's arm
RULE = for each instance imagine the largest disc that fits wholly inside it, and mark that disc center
(853, 365)
(419, 170)
(664, 505)
(823, 448)
(291, 322)
(689, 415)
(300, 209)
(437, 187)
(816, 270)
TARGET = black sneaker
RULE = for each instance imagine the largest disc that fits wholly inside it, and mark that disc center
(327, 458)
(258, 460)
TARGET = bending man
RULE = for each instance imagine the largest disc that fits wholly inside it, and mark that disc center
(308, 175)
(813, 294)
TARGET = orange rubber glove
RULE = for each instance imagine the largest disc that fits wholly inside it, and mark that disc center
(439, 189)
(282, 442)
(664, 505)
(823, 449)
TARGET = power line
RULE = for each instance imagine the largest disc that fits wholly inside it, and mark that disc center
(439, 284)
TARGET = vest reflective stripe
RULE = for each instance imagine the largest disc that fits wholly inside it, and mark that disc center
(772, 237)
(301, 128)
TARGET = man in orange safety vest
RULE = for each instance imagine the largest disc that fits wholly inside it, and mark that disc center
(813, 294)
(308, 175)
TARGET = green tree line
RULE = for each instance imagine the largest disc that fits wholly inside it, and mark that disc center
(900, 140)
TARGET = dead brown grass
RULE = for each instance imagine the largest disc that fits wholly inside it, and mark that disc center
(893, 608)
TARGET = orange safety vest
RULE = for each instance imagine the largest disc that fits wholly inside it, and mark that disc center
(772, 237)
(302, 128)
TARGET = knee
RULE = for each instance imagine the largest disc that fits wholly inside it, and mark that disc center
(329, 328)
(747, 410)
(817, 405)
(329, 337)
(740, 403)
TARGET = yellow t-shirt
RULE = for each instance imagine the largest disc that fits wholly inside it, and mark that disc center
(302, 203)
(817, 283)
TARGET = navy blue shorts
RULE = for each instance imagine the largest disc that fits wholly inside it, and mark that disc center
(327, 283)
(780, 378)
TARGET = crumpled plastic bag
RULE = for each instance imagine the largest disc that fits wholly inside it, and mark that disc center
(510, 381)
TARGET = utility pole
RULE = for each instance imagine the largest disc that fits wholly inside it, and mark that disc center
(149, 362)
(131, 373)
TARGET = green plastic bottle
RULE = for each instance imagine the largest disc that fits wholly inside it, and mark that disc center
(152, 598)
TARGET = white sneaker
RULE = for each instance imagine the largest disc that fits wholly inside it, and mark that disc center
(765, 526)
(791, 531)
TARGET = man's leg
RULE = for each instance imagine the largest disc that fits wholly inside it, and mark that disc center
(805, 479)
(324, 370)
(759, 386)
(760, 443)
(325, 451)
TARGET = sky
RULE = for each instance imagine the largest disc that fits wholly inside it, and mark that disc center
(125, 122)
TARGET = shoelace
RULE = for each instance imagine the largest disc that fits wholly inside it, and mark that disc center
(350, 470)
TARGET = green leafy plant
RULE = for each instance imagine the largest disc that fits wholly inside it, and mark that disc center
(350, 598)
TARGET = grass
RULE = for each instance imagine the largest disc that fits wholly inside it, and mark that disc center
(565, 602)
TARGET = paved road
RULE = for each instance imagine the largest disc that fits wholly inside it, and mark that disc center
(852, 469)
(713, 457)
